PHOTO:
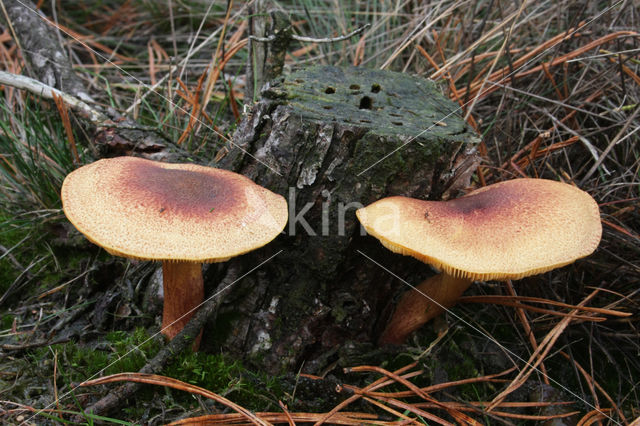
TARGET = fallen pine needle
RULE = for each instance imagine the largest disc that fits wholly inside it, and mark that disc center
(155, 379)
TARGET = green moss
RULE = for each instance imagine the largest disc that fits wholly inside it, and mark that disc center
(387, 103)
(128, 352)
(210, 371)
(464, 366)
(124, 352)
(6, 321)
(223, 375)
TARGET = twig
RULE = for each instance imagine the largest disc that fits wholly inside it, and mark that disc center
(94, 116)
(9, 347)
(154, 379)
(48, 92)
(38, 43)
(312, 39)
(182, 340)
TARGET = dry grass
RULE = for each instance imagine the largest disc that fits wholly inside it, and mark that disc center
(553, 88)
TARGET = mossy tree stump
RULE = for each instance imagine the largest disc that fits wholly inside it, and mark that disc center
(330, 139)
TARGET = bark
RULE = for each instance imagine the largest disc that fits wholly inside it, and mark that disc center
(256, 51)
(313, 138)
(48, 63)
(265, 61)
(40, 48)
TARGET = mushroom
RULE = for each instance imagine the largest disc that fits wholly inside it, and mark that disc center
(179, 214)
(508, 230)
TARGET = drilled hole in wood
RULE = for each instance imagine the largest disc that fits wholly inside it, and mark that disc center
(329, 90)
(354, 87)
(365, 121)
(375, 88)
(349, 304)
(393, 114)
(327, 107)
(397, 123)
(366, 102)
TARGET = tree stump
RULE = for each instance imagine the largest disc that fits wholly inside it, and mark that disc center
(330, 140)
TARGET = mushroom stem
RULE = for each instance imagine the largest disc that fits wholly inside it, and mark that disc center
(415, 307)
(183, 291)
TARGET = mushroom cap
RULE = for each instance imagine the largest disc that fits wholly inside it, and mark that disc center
(149, 210)
(508, 230)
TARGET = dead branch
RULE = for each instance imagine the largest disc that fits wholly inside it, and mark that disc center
(182, 340)
(48, 62)
(48, 92)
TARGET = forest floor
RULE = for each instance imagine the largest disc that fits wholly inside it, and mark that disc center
(552, 87)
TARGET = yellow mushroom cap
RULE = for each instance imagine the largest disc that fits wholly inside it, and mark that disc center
(508, 230)
(145, 209)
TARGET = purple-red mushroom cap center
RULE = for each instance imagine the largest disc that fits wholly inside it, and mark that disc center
(508, 230)
(145, 209)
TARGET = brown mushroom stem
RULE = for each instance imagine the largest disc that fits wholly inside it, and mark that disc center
(183, 291)
(414, 308)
